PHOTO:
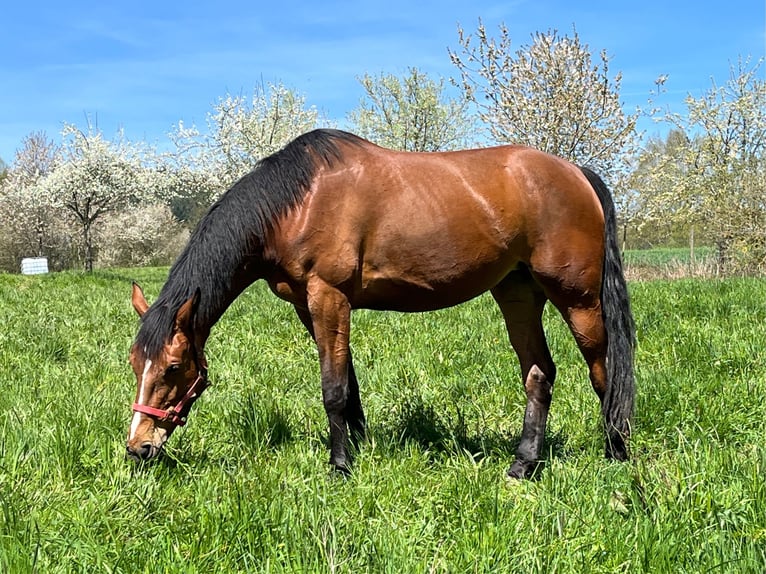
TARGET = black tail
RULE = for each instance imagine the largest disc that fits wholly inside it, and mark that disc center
(617, 405)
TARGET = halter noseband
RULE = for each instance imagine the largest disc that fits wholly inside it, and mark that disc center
(174, 414)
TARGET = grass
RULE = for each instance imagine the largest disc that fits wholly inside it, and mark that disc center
(246, 486)
(671, 263)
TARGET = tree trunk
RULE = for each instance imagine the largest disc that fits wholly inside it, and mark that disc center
(40, 241)
(691, 245)
(624, 235)
(88, 239)
(722, 248)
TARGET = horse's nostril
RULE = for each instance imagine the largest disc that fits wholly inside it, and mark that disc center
(143, 452)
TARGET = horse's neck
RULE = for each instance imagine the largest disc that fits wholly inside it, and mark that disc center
(213, 306)
(221, 260)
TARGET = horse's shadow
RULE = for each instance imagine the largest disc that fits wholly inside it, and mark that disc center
(414, 423)
(420, 424)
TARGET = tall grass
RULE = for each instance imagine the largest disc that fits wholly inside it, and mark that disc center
(671, 263)
(245, 486)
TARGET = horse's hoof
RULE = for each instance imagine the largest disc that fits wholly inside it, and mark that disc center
(521, 470)
(340, 473)
(340, 467)
(616, 449)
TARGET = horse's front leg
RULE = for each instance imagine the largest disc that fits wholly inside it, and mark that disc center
(331, 321)
(354, 414)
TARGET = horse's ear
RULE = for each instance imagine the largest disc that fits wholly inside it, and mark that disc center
(185, 314)
(138, 300)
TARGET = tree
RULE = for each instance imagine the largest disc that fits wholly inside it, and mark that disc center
(240, 132)
(410, 113)
(97, 177)
(548, 95)
(30, 225)
(716, 180)
(37, 157)
(658, 167)
(140, 235)
(192, 191)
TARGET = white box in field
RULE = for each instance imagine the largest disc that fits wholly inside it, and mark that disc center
(34, 265)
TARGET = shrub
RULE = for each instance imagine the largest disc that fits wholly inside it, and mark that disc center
(140, 236)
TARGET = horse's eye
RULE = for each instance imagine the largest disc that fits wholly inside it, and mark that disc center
(174, 368)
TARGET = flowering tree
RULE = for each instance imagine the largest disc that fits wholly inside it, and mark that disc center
(101, 186)
(548, 95)
(140, 235)
(410, 113)
(96, 177)
(715, 177)
(29, 223)
(240, 131)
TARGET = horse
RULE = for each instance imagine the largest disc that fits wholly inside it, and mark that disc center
(334, 223)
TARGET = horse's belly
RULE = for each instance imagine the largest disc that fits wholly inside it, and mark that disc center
(418, 291)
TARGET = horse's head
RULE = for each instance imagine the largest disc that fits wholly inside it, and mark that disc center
(168, 382)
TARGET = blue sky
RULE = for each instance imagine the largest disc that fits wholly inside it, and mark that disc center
(144, 66)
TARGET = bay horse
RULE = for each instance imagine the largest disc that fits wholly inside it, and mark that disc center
(334, 223)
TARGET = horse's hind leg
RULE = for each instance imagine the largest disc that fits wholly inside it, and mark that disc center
(522, 302)
(582, 312)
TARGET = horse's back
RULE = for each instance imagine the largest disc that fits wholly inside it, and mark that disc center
(503, 192)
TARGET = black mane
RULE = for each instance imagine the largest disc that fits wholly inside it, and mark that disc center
(235, 229)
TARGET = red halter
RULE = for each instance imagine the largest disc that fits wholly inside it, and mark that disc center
(174, 414)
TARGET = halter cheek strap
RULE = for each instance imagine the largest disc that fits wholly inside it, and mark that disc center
(175, 414)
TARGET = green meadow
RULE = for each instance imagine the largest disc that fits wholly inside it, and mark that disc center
(245, 486)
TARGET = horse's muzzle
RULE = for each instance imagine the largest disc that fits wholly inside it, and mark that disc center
(142, 452)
